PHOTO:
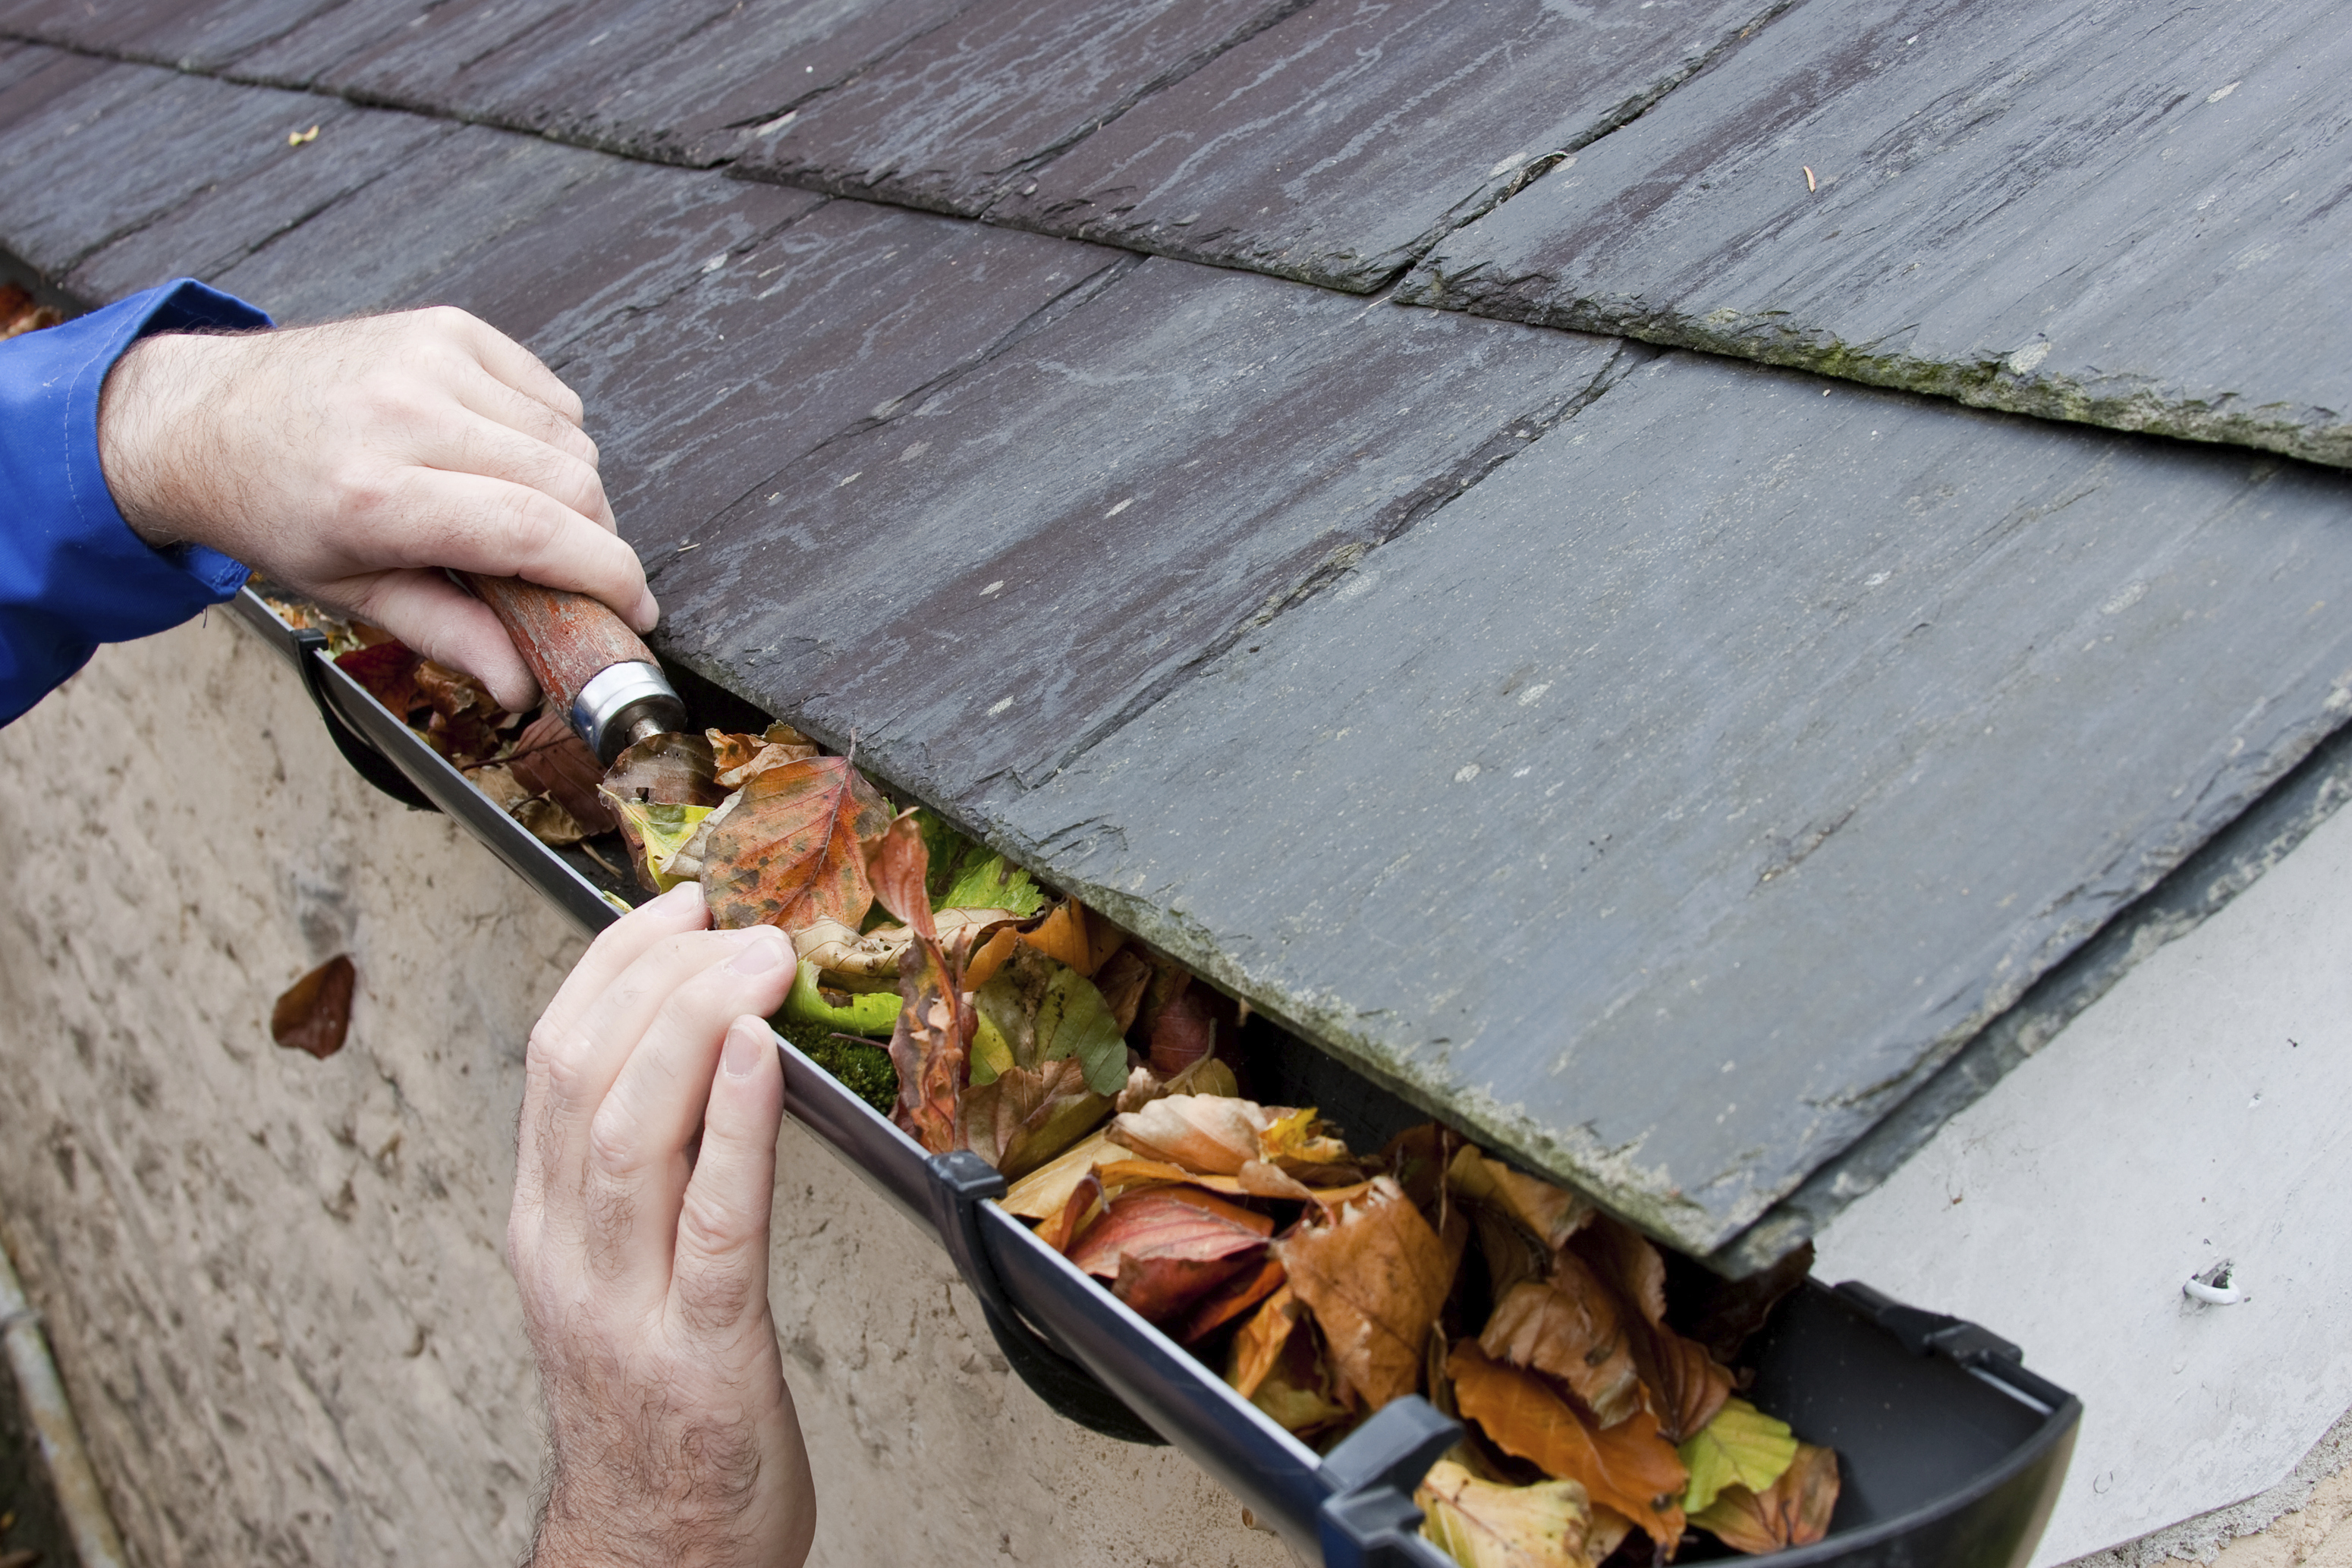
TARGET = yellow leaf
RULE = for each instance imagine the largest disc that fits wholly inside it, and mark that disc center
(1482, 1525)
(1741, 1446)
(664, 831)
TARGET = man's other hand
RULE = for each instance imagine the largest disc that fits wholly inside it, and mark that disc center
(639, 1238)
(353, 461)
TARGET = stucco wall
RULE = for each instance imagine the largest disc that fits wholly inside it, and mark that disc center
(274, 1284)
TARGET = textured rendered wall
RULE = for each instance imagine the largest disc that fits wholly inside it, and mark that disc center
(274, 1284)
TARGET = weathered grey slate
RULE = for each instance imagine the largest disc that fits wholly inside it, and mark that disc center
(125, 146)
(649, 77)
(1673, 803)
(989, 580)
(755, 359)
(2089, 209)
(200, 34)
(541, 240)
(961, 114)
(1337, 147)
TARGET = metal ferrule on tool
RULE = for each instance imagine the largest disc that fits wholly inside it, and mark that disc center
(624, 703)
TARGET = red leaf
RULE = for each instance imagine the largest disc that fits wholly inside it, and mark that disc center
(389, 672)
(316, 1010)
(1231, 1300)
(1159, 1287)
(1169, 1222)
(792, 850)
(899, 867)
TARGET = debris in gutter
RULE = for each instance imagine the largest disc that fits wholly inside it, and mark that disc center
(19, 314)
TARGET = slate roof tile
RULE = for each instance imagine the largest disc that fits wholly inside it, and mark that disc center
(1673, 803)
(2092, 210)
(962, 114)
(199, 35)
(1337, 147)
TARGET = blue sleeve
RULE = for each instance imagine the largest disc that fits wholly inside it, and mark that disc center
(72, 574)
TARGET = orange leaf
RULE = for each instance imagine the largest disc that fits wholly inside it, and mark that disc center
(1375, 1277)
(898, 867)
(792, 851)
(316, 1010)
(1686, 1384)
(1627, 1467)
(1231, 1300)
(1159, 1287)
(736, 758)
(1568, 1326)
(1259, 1344)
(1793, 1511)
(1548, 1214)
(1078, 1211)
(1077, 936)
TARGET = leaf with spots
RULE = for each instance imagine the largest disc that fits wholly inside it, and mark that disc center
(793, 849)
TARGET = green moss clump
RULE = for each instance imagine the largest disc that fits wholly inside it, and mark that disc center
(863, 1067)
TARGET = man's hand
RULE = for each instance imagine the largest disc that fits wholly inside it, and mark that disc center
(643, 1258)
(353, 461)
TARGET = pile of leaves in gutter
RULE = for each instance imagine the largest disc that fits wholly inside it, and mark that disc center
(19, 314)
(984, 1012)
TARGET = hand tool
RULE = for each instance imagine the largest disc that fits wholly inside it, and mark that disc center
(592, 668)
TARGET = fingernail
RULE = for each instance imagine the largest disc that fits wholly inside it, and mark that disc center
(764, 948)
(745, 1041)
(678, 900)
(649, 612)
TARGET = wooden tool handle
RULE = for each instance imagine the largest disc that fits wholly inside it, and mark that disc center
(567, 639)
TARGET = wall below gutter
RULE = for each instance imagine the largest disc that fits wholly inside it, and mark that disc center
(275, 1286)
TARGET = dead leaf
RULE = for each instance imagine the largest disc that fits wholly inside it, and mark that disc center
(1085, 1205)
(1300, 1391)
(549, 824)
(1418, 1157)
(667, 769)
(1550, 1214)
(1795, 1511)
(1623, 1257)
(896, 864)
(1041, 1194)
(1721, 1314)
(388, 671)
(1076, 936)
(19, 315)
(1567, 1325)
(1122, 982)
(1480, 1524)
(1375, 1277)
(315, 1011)
(1024, 1117)
(1301, 1142)
(1165, 1247)
(1231, 1300)
(736, 759)
(929, 1045)
(794, 849)
(496, 780)
(1206, 1076)
(1627, 1467)
(548, 759)
(1261, 1341)
(1185, 1028)
(1210, 1134)
(1686, 1385)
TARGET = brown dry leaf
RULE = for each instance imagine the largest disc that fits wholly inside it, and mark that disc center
(1261, 1340)
(1567, 1325)
(1122, 983)
(792, 850)
(1480, 1524)
(1300, 1391)
(549, 824)
(1623, 1257)
(929, 1046)
(1231, 1300)
(548, 759)
(897, 867)
(315, 1011)
(1184, 1029)
(988, 956)
(1159, 1287)
(19, 315)
(1375, 1278)
(1206, 1076)
(667, 769)
(1548, 1214)
(1627, 1467)
(496, 780)
(1026, 1115)
(1608, 1533)
(1687, 1387)
(1077, 936)
(1042, 1193)
(1418, 1157)
(1084, 1206)
(1795, 1511)
(736, 758)
(1214, 1135)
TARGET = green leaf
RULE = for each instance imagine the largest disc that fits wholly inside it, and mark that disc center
(868, 1013)
(966, 875)
(1741, 1446)
(1043, 1010)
